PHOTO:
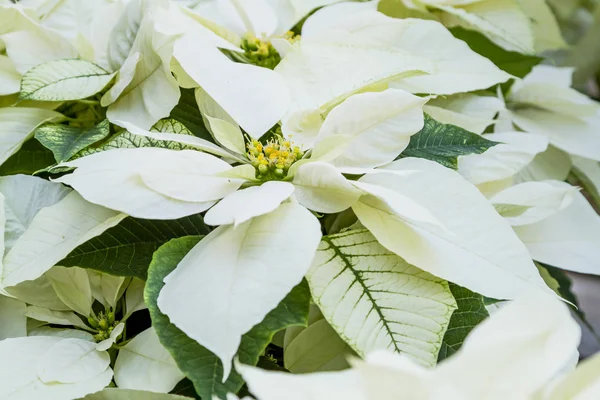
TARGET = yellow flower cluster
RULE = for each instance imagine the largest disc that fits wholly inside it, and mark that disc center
(104, 324)
(273, 159)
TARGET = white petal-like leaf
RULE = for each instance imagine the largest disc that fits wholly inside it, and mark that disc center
(541, 199)
(229, 282)
(71, 361)
(502, 21)
(72, 285)
(380, 125)
(63, 80)
(376, 300)
(275, 385)
(65, 318)
(112, 179)
(18, 125)
(144, 364)
(54, 232)
(486, 257)
(19, 378)
(246, 204)
(513, 153)
(256, 98)
(321, 187)
(134, 297)
(568, 239)
(24, 197)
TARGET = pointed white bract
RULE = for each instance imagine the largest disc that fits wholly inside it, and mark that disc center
(52, 367)
(236, 275)
(53, 233)
(144, 364)
(477, 256)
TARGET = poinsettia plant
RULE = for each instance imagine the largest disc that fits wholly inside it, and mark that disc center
(292, 199)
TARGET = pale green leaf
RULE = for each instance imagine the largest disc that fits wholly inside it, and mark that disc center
(66, 141)
(317, 348)
(376, 300)
(128, 394)
(510, 210)
(63, 80)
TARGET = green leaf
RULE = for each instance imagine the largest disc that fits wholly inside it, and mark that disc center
(127, 249)
(66, 141)
(127, 140)
(470, 313)
(514, 63)
(510, 210)
(32, 157)
(443, 143)
(354, 278)
(398, 9)
(200, 365)
(188, 113)
(64, 80)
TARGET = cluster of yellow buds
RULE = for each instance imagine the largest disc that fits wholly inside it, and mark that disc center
(104, 324)
(260, 52)
(273, 159)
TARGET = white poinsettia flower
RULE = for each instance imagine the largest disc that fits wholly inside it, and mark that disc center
(522, 351)
(411, 54)
(276, 184)
(543, 103)
(246, 200)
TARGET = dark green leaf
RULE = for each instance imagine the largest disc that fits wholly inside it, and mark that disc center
(200, 365)
(188, 113)
(66, 141)
(564, 290)
(32, 157)
(514, 63)
(127, 249)
(443, 143)
(470, 312)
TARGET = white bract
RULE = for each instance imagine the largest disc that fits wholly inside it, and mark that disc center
(543, 103)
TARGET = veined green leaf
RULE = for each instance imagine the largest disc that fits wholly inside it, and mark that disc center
(126, 249)
(66, 141)
(188, 113)
(398, 9)
(200, 365)
(470, 312)
(443, 143)
(514, 63)
(63, 80)
(126, 139)
(32, 157)
(374, 299)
